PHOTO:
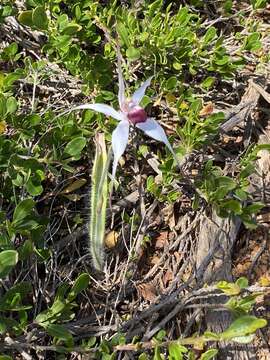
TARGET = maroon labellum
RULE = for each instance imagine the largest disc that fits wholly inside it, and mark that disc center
(137, 115)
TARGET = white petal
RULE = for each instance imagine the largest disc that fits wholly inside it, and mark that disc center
(102, 108)
(119, 143)
(139, 94)
(152, 128)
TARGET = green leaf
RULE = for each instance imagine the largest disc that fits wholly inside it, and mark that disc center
(60, 333)
(246, 171)
(241, 194)
(5, 357)
(32, 188)
(244, 339)
(11, 105)
(242, 282)
(243, 326)
(123, 33)
(39, 18)
(75, 146)
(209, 354)
(176, 351)
(171, 83)
(208, 82)
(25, 18)
(10, 51)
(154, 7)
(81, 283)
(210, 336)
(254, 208)
(133, 53)
(210, 34)
(258, 4)
(226, 182)
(26, 249)
(228, 288)
(157, 355)
(71, 29)
(22, 289)
(253, 42)
(247, 302)
(22, 210)
(8, 259)
(232, 205)
(143, 356)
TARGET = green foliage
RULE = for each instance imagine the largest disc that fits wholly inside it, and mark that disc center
(258, 4)
(176, 351)
(40, 152)
(252, 42)
(62, 310)
(8, 259)
(197, 130)
(229, 196)
(243, 326)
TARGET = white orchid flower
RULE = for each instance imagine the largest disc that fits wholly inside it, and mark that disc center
(130, 114)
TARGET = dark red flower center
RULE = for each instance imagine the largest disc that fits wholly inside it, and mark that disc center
(137, 115)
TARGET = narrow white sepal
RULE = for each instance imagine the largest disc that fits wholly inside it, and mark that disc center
(121, 90)
(119, 143)
(152, 128)
(139, 94)
(102, 108)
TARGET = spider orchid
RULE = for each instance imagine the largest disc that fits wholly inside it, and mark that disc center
(130, 114)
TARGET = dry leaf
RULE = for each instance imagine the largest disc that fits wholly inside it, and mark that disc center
(171, 99)
(154, 260)
(162, 240)
(207, 109)
(73, 186)
(167, 278)
(264, 280)
(111, 239)
(168, 214)
(264, 218)
(147, 291)
(3, 127)
(73, 197)
(194, 172)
